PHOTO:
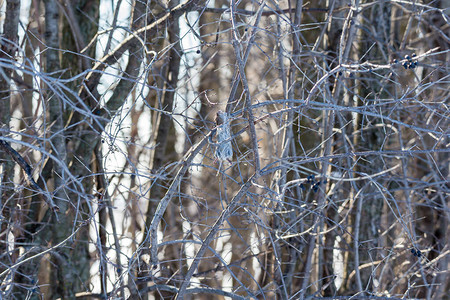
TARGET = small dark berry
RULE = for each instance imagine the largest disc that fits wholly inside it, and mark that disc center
(352, 22)
(407, 57)
(413, 55)
(412, 66)
(340, 73)
(302, 186)
(350, 75)
(198, 51)
(316, 186)
(405, 65)
(395, 61)
(419, 254)
(246, 29)
(413, 251)
(325, 181)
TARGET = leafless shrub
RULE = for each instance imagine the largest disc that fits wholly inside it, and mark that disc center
(330, 148)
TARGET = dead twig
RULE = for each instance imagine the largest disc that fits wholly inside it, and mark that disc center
(28, 171)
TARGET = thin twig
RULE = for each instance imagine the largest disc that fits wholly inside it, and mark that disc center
(28, 171)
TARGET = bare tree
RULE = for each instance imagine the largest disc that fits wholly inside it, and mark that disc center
(231, 150)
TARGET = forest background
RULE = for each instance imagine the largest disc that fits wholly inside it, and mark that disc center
(114, 182)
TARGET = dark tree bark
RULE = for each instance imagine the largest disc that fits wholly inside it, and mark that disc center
(8, 51)
(8, 197)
